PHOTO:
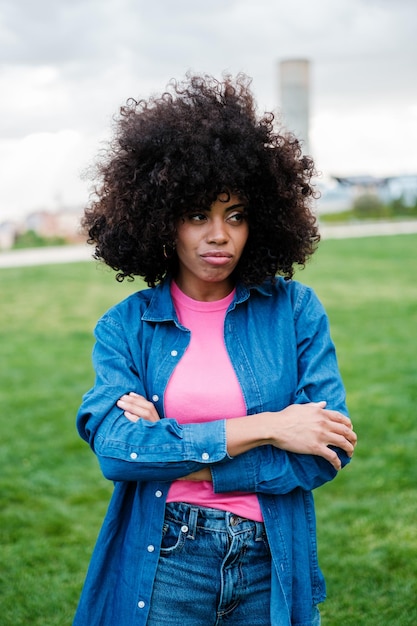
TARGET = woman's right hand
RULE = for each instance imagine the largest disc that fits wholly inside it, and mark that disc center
(136, 407)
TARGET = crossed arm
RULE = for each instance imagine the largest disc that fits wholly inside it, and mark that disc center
(301, 428)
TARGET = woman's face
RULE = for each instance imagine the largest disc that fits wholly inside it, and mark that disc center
(209, 245)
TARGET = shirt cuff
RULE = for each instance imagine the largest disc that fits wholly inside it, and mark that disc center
(237, 474)
(205, 442)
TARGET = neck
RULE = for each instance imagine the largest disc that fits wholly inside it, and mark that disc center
(207, 292)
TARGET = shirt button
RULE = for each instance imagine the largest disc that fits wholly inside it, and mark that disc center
(158, 493)
(205, 456)
(141, 604)
(174, 353)
(155, 398)
(133, 455)
(151, 548)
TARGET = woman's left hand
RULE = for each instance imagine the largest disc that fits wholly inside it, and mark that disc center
(136, 407)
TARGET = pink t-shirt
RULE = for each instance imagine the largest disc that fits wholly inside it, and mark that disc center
(204, 387)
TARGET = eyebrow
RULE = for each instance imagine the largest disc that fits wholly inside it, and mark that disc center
(238, 205)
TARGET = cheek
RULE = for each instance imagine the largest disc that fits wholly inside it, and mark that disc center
(185, 237)
(185, 249)
(244, 238)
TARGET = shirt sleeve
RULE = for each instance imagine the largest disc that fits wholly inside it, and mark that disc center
(274, 471)
(135, 451)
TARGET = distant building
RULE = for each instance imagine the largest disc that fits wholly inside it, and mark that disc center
(334, 197)
(8, 232)
(64, 223)
(387, 188)
(339, 193)
(295, 98)
(362, 184)
(404, 187)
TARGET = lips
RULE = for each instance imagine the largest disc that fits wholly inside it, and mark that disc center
(218, 254)
(216, 257)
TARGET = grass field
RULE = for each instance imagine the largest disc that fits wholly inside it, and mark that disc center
(53, 496)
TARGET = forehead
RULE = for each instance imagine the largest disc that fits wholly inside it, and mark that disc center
(206, 201)
(230, 198)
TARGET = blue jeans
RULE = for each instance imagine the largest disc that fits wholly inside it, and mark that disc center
(214, 569)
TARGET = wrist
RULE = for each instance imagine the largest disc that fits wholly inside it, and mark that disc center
(245, 433)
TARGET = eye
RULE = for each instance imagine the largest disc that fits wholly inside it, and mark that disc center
(195, 217)
(237, 218)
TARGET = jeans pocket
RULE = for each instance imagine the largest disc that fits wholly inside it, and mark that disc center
(174, 535)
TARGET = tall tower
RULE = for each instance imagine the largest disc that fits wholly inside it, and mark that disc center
(295, 98)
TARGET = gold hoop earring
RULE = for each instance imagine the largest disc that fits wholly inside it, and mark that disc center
(168, 253)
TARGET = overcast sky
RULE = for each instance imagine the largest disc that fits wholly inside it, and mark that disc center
(67, 65)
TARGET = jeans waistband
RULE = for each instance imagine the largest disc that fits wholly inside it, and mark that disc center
(216, 520)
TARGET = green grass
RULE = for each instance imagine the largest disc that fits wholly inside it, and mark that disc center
(53, 497)
(367, 528)
(52, 494)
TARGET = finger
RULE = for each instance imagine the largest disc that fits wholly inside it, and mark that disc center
(336, 416)
(151, 417)
(133, 394)
(132, 408)
(346, 432)
(350, 435)
(130, 416)
(139, 406)
(341, 442)
(125, 404)
(135, 403)
(331, 456)
(134, 398)
(137, 415)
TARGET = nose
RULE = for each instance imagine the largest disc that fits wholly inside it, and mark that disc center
(217, 232)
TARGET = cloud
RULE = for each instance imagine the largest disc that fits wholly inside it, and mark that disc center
(71, 64)
(368, 135)
(63, 32)
(58, 182)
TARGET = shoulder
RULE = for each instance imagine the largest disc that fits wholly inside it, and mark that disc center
(291, 295)
(281, 288)
(129, 308)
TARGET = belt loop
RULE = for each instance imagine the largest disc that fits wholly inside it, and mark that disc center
(192, 522)
(260, 531)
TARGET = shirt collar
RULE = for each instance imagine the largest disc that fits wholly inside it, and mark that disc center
(161, 307)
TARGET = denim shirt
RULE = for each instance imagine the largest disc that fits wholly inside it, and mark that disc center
(277, 336)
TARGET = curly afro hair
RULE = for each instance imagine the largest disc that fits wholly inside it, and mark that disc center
(180, 151)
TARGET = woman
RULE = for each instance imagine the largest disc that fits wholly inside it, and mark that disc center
(218, 405)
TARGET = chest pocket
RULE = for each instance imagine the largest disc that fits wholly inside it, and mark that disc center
(266, 370)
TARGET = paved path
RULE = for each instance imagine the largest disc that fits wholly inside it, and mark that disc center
(70, 254)
(45, 256)
(368, 229)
